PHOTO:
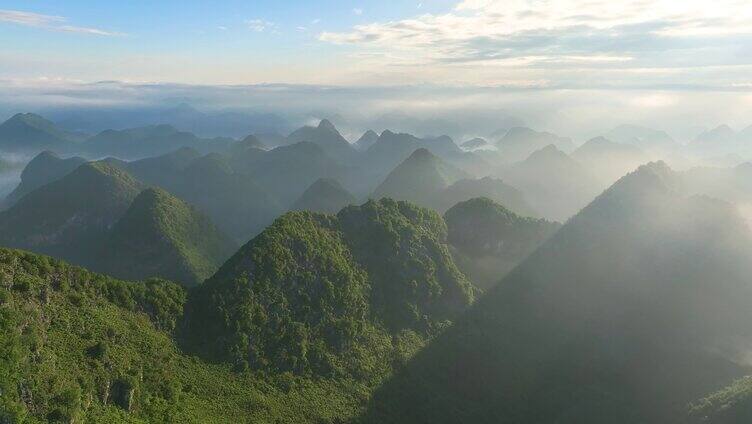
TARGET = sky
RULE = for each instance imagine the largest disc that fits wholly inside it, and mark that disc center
(657, 55)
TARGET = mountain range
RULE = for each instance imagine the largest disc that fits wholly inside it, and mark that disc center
(520, 142)
(102, 217)
(488, 240)
(30, 133)
(556, 185)
(634, 309)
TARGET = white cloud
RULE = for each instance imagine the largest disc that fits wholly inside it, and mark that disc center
(48, 22)
(553, 34)
(260, 25)
(357, 11)
(222, 28)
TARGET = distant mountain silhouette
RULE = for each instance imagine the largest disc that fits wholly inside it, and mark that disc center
(366, 140)
(609, 161)
(556, 185)
(419, 179)
(68, 217)
(643, 137)
(326, 195)
(520, 142)
(489, 240)
(45, 168)
(493, 188)
(30, 133)
(143, 142)
(287, 171)
(326, 136)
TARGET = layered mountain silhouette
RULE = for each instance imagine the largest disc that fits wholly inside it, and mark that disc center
(492, 188)
(556, 185)
(287, 171)
(419, 179)
(609, 161)
(137, 143)
(645, 138)
(101, 217)
(731, 184)
(67, 217)
(520, 142)
(31, 133)
(489, 240)
(366, 140)
(723, 140)
(239, 204)
(326, 195)
(636, 307)
(45, 168)
(391, 149)
(326, 136)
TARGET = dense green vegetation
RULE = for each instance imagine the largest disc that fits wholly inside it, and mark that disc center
(489, 240)
(68, 217)
(340, 296)
(81, 347)
(162, 236)
(96, 217)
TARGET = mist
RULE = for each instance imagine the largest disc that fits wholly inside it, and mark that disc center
(455, 211)
(425, 110)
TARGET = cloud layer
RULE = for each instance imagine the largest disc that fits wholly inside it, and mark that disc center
(565, 42)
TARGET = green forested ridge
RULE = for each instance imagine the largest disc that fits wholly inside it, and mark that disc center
(299, 326)
(340, 296)
(66, 218)
(162, 236)
(488, 240)
(83, 347)
(95, 217)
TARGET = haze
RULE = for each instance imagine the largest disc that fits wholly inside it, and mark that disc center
(477, 211)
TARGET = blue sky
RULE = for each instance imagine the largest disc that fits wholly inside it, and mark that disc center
(576, 61)
(261, 41)
(540, 43)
